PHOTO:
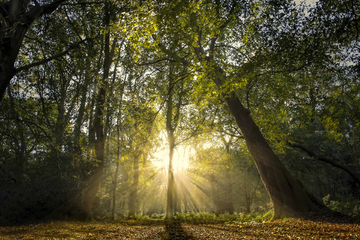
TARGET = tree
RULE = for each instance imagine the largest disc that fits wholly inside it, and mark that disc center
(288, 79)
(172, 121)
(203, 36)
(119, 146)
(16, 18)
(139, 129)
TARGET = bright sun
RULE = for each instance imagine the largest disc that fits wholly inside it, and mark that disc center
(180, 160)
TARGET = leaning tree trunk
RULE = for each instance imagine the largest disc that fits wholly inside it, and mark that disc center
(286, 193)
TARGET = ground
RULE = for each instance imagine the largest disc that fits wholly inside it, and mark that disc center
(152, 229)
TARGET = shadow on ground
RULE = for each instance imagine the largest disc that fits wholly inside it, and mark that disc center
(174, 230)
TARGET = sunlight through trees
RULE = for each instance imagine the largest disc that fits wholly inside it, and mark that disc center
(130, 109)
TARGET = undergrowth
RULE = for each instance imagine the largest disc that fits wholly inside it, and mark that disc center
(347, 205)
(201, 217)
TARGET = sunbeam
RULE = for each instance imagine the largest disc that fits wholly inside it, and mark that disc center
(180, 159)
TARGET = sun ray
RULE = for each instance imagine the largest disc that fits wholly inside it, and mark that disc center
(180, 158)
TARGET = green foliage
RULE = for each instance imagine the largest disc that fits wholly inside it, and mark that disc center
(157, 216)
(205, 217)
(345, 204)
(297, 74)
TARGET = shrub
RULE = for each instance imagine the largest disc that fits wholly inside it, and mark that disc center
(348, 205)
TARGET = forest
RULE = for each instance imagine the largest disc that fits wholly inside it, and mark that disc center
(157, 112)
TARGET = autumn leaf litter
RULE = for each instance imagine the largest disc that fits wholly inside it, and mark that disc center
(279, 229)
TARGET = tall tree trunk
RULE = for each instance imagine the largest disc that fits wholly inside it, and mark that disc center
(134, 188)
(116, 173)
(288, 197)
(115, 186)
(59, 128)
(171, 183)
(247, 198)
(146, 175)
(98, 122)
(20, 147)
(214, 194)
(177, 198)
(77, 152)
(172, 121)
(119, 133)
(171, 140)
(228, 203)
(286, 193)
(124, 188)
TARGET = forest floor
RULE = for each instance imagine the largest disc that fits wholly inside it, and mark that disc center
(160, 229)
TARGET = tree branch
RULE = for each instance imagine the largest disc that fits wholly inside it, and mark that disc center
(38, 11)
(155, 61)
(222, 27)
(41, 62)
(82, 3)
(327, 160)
(175, 57)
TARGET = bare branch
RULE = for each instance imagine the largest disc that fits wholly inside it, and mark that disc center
(155, 61)
(41, 62)
(327, 160)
